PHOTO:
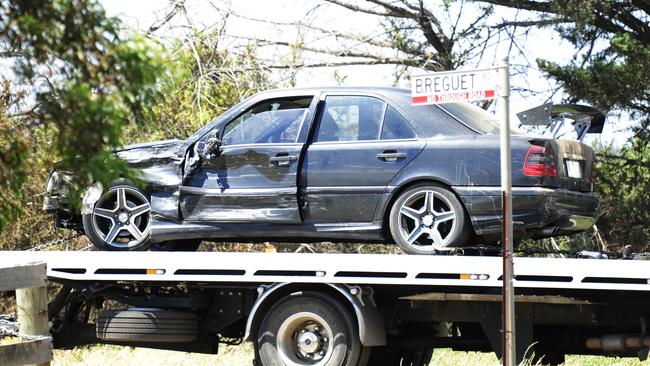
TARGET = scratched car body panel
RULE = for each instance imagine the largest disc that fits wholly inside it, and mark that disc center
(329, 164)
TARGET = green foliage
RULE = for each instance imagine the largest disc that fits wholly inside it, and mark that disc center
(617, 77)
(86, 83)
(13, 174)
(204, 81)
(142, 93)
(613, 73)
(611, 70)
(622, 184)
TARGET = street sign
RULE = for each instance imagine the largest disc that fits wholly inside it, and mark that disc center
(454, 86)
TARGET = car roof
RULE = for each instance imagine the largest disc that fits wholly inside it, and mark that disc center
(400, 98)
(422, 117)
(315, 90)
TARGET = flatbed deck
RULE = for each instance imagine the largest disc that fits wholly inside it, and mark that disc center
(462, 271)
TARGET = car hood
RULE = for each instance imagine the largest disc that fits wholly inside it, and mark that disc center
(147, 145)
(153, 153)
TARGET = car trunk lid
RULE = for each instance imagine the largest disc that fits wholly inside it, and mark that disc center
(574, 162)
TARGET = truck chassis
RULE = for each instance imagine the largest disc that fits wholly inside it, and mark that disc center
(344, 309)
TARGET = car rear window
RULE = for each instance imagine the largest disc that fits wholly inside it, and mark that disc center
(431, 119)
(476, 118)
(458, 118)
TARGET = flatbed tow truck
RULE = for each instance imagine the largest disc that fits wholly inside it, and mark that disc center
(347, 309)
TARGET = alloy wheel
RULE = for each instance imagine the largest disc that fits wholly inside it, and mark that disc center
(427, 220)
(122, 217)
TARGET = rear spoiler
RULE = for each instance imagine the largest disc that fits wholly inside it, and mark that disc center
(583, 118)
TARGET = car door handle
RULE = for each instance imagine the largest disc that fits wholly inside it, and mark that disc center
(391, 155)
(283, 159)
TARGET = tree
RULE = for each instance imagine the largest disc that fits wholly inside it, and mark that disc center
(204, 81)
(412, 35)
(612, 72)
(623, 184)
(199, 78)
(612, 69)
(75, 78)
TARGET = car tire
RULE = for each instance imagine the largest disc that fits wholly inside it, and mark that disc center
(330, 335)
(428, 219)
(120, 220)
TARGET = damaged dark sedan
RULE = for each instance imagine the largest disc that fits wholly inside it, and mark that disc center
(337, 164)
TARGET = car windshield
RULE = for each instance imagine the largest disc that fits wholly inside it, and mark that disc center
(475, 117)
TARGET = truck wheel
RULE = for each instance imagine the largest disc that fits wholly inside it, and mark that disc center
(120, 220)
(388, 356)
(428, 218)
(153, 325)
(307, 328)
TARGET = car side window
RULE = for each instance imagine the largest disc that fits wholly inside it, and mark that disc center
(274, 121)
(395, 126)
(350, 118)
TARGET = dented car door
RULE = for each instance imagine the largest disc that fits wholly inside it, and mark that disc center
(248, 166)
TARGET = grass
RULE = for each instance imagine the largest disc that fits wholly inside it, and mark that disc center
(243, 355)
(6, 341)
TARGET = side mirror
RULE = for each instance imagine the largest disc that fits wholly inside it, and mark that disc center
(212, 146)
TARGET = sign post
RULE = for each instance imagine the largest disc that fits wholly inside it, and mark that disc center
(480, 84)
(508, 304)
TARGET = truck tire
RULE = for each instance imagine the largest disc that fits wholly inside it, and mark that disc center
(143, 325)
(426, 219)
(388, 356)
(308, 328)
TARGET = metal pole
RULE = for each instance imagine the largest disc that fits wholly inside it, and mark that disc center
(508, 312)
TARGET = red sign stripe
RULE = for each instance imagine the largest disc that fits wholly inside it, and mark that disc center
(420, 99)
(451, 97)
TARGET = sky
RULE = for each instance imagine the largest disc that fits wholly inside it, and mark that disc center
(141, 14)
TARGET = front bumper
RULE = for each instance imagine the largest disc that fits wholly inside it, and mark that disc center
(540, 212)
(53, 203)
(56, 200)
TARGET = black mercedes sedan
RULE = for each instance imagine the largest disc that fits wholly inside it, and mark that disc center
(337, 164)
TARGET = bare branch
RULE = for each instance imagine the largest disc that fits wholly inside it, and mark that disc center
(642, 4)
(385, 61)
(177, 7)
(603, 15)
(334, 52)
(394, 10)
(531, 23)
(357, 8)
(371, 40)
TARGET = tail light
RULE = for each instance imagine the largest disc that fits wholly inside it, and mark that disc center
(540, 162)
(592, 178)
(594, 174)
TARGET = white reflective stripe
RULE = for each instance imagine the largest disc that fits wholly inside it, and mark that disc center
(388, 269)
